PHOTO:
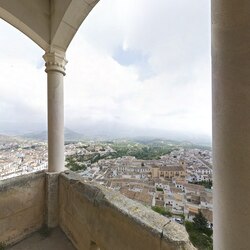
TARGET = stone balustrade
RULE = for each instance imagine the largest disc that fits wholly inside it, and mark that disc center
(91, 216)
(22, 206)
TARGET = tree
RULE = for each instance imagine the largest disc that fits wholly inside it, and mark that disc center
(200, 222)
(199, 233)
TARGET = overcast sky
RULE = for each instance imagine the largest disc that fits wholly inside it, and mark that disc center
(142, 63)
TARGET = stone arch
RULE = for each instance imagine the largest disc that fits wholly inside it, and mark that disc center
(51, 24)
(63, 31)
(18, 16)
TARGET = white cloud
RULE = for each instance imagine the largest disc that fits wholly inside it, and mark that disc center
(173, 34)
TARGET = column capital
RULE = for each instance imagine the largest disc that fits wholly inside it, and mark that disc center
(55, 61)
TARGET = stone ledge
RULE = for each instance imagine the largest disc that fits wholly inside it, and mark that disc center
(20, 180)
(22, 203)
(169, 233)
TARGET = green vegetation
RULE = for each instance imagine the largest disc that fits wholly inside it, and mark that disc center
(190, 145)
(162, 211)
(206, 184)
(73, 164)
(199, 233)
(79, 162)
(2, 245)
(140, 151)
(144, 151)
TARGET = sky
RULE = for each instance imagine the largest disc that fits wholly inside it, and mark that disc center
(134, 63)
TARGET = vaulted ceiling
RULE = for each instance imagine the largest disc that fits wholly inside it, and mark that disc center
(51, 24)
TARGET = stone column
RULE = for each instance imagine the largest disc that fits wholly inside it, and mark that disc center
(55, 69)
(231, 123)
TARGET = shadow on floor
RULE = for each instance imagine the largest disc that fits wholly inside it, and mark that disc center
(56, 240)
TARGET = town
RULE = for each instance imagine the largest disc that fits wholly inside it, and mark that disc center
(176, 181)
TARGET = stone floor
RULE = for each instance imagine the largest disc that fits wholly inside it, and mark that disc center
(57, 240)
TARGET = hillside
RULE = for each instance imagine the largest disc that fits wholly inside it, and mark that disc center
(69, 135)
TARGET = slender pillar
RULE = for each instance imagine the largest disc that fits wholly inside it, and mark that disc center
(55, 69)
(231, 123)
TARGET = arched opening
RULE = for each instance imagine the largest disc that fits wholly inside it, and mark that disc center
(135, 74)
(23, 84)
(149, 72)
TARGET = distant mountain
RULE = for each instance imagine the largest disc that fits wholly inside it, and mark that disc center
(8, 139)
(159, 142)
(39, 136)
(104, 130)
(20, 128)
(69, 135)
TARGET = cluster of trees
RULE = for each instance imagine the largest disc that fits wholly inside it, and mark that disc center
(144, 153)
(207, 184)
(140, 151)
(199, 232)
(74, 165)
(79, 161)
(2, 246)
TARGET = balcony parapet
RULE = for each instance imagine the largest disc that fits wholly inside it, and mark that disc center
(92, 214)
(22, 205)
